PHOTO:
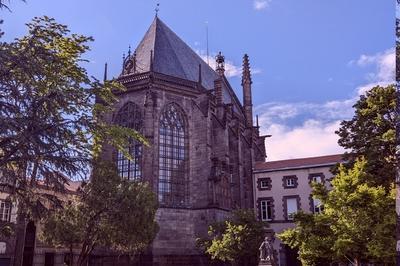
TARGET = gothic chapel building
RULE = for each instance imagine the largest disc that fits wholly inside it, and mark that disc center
(203, 143)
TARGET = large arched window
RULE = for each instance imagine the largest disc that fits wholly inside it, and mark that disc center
(130, 116)
(173, 163)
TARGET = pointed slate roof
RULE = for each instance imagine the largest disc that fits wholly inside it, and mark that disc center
(171, 56)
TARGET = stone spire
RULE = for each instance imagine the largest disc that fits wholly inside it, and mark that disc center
(246, 84)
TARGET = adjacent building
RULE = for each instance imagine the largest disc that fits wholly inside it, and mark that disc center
(284, 187)
(23, 246)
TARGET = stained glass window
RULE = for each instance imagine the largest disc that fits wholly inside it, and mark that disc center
(173, 169)
(130, 116)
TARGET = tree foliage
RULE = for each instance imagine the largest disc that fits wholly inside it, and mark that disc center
(372, 133)
(359, 219)
(236, 239)
(110, 212)
(358, 222)
(50, 120)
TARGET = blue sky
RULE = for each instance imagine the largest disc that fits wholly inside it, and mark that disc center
(310, 58)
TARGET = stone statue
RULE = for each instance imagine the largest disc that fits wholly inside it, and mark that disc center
(267, 251)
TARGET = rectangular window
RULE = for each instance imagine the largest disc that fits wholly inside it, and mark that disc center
(290, 182)
(5, 210)
(266, 210)
(264, 184)
(316, 179)
(291, 207)
(318, 207)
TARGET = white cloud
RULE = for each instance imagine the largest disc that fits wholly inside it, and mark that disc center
(231, 70)
(261, 4)
(384, 64)
(312, 135)
(312, 138)
(275, 112)
(308, 129)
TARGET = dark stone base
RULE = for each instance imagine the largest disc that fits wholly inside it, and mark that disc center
(182, 260)
(148, 260)
(266, 263)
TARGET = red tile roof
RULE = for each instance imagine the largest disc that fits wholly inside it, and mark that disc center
(299, 162)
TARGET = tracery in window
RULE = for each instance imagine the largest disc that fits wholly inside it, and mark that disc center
(173, 166)
(130, 116)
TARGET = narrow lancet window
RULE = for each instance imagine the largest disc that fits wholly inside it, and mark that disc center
(173, 166)
(130, 116)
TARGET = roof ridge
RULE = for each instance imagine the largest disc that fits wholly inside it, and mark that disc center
(171, 55)
(304, 158)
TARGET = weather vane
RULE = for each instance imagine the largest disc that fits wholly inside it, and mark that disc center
(157, 8)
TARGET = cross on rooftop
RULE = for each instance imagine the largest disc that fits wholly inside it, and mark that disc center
(157, 8)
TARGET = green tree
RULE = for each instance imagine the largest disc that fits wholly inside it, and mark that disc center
(359, 219)
(109, 212)
(372, 133)
(50, 110)
(51, 126)
(236, 239)
(358, 222)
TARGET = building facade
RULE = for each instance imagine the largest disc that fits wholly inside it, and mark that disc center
(8, 217)
(202, 141)
(23, 246)
(283, 188)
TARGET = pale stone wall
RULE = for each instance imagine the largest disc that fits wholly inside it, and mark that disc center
(277, 192)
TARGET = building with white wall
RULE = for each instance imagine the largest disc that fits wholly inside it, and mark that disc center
(283, 187)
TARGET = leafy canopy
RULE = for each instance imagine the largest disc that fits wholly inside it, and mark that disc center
(51, 110)
(359, 218)
(236, 239)
(372, 133)
(109, 212)
(358, 221)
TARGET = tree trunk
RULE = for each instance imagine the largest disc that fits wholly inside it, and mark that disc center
(84, 255)
(71, 256)
(20, 237)
(81, 260)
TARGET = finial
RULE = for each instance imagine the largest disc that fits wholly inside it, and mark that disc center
(157, 9)
(105, 72)
(220, 59)
(123, 61)
(246, 76)
(129, 51)
(257, 121)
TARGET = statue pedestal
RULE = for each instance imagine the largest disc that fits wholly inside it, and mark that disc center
(266, 263)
